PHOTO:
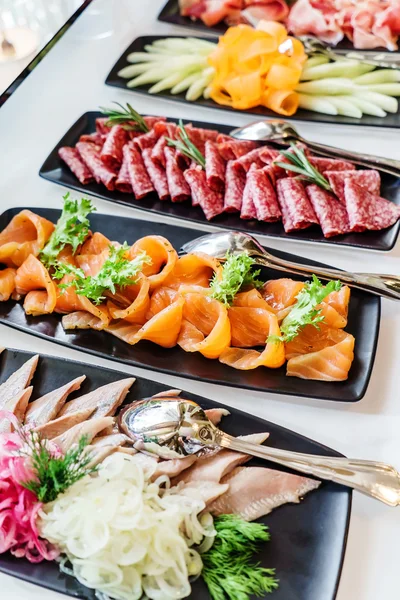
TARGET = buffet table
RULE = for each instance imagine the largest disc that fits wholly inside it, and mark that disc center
(70, 81)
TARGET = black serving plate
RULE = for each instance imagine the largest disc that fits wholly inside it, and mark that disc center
(308, 540)
(391, 120)
(170, 14)
(364, 318)
(54, 169)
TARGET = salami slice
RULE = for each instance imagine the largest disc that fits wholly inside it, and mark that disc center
(331, 214)
(231, 149)
(259, 157)
(140, 181)
(90, 154)
(94, 138)
(248, 209)
(73, 160)
(157, 174)
(369, 180)
(157, 152)
(215, 167)
(235, 180)
(149, 140)
(297, 212)
(331, 164)
(368, 211)
(179, 189)
(211, 202)
(264, 196)
(123, 183)
(151, 122)
(111, 152)
(101, 126)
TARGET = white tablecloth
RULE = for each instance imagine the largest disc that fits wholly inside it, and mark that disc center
(68, 82)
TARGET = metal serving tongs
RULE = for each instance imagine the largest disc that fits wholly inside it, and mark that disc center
(182, 426)
(279, 131)
(236, 242)
(313, 46)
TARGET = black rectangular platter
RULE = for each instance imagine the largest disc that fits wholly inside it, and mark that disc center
(364, 319)
(55, 170)
(308, 540)
(391, 120)
(170, 14)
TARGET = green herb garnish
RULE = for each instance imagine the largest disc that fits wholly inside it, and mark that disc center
(186, 146)
(72, 229)
(128, 118)
(55, 474)
(117, 271)
(236, 273)
(304, 312)
(299, 163)
(228, 569)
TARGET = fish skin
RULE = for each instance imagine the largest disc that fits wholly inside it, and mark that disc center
(17, 406)
(113, 439)
(215, 467)
(90, 429)
(255, 491)
(104, 400)
(174, 467)
(62, 424)
(47, 407)
(18, 381)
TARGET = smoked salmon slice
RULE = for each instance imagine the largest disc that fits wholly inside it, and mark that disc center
(330, 363)
(281, 294)
(209, 329)
(273, 356)
(193, 269)
(160, 299)
(137, 310)
(26, 234)
(34, 282)
(7, 283)
(251, 299)
(162, 329)
(95, 244)
(335, 308)
(163, 258)
(249, 326)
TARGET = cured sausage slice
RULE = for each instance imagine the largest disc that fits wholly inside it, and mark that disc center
(157, 174)
(369, 180)
(140, 181)
(215, 167)
(73, 160)
(210, 201)
(297, 211)
(179, 189)
(368, 211)
(263, 195)
(111, 152)
(235, 180)
(90, 154)
(123, 183)
(332, 215)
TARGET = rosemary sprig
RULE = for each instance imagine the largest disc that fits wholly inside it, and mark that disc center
(299, 163)
(128, 118)
(187, 147)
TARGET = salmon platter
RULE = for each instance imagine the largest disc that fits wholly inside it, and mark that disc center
(118, 288)
(240, 72)
(234, 184)
(120, 518)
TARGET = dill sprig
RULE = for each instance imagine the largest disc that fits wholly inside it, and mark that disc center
(54, 474)
(117, 271)
(228, 569)
(127, 117)
(304, 311)
(299, 163)
(236, 273)
(72, 228)
(186, 146)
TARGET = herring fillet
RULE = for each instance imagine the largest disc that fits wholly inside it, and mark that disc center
(17, 406)
(255, 491)
(18, 381)
(62, 424)
(47, 407)
(105, 400)
(89, 428)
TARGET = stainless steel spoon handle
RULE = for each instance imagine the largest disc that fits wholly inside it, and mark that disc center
(367, 160)
(387, 286)
(374, 479)
(383, 60)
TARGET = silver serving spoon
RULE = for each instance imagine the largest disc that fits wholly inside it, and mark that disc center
(183, 426)
(236, 242)
(282, 132)
(313, 46)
